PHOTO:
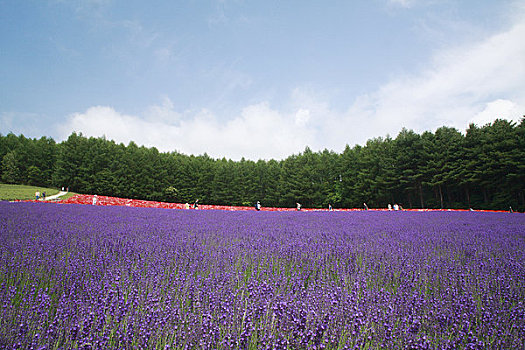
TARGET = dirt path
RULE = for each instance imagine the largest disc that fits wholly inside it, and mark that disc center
(55, 196)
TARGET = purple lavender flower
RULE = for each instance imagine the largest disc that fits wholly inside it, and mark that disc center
(124, 278)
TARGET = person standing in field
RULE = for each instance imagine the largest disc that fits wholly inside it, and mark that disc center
(258, 206)
(329, 207)
(95, 198)
(196, 204)
(187, 205)
(365, 207)
(298, 206)
(37, 195)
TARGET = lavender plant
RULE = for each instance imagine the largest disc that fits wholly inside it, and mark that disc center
(88, 277)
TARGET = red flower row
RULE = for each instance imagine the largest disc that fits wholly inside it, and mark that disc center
(104, 200)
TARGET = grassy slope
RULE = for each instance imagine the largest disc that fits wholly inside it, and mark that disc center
(21, 192)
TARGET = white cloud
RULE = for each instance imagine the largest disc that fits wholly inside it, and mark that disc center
(164, 113)
(105, 121)
(302, 117)
(459, 86)
(259, 132)
(501, 109)
(402, 3)
(27, 124)
(475, 83)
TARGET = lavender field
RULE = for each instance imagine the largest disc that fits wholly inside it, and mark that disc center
(87, 277)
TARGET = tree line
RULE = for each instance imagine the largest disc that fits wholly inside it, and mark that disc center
(481, 169)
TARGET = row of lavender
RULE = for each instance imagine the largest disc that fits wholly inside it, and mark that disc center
(90, 277)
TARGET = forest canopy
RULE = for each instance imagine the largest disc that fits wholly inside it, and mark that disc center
(483, 168)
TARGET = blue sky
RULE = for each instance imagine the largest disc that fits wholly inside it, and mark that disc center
(257, 79)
